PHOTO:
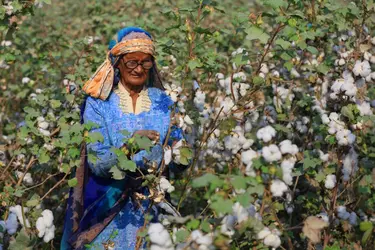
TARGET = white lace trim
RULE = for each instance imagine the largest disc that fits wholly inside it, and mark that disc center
(143, 103)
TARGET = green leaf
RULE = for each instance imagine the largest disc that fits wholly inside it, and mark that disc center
(94, 137)
(205, 180)
(255, 33)
(323, 68)
(313, 50)
(222, 206)
(205, 226)
(143, 142)
(239, 182)
(365, 225)
(195, 63)
(193, 224)
(127, 165)
(117, 174)
(310, 162)
(43, 157)
(257, 80)
(72, 182)
(182, 235)
(55, 104)
(284, 44)
(366, 236)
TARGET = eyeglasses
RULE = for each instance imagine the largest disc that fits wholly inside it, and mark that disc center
(133, 64)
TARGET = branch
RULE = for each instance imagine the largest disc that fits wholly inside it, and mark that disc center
(270, 42)
(56, 185)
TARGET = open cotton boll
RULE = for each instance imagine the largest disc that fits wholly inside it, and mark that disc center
(266, 134)
(11, 224)
(278, 188)
(345, 137)
(287, 167)
(18, 211)
(165, 185)
(270, 238)
(248, 156)
(362, 68)
(199, 100)
(49, 234)
(364, 108)
(286, 147)
(45, 226)
(240, 212)
(167, 155)
(159, 236)
(227, 225)
(330, 181)
(323, 157)
(271, 153)
(201, 239)
(350, 164)
(353, 219)
(342, 213)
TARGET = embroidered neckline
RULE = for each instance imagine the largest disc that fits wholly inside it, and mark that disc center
(126, 104)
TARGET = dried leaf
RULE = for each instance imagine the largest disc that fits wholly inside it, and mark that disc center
(312, 228)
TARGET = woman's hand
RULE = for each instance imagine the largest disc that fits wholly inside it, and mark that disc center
(153, 135)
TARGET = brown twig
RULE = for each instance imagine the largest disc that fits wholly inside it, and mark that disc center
(270, 42)
(56, 185)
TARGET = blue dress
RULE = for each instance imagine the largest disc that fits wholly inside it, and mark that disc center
(101, 191)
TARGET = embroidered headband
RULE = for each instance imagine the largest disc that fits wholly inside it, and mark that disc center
(101, 82)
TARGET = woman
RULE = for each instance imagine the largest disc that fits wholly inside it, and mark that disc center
(125, 93)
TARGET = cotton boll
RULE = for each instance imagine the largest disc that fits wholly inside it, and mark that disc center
(362, 68)
(264, 233)
(323, 157)
(364, 108)
(18, 211)
(11, 224)
(350, 164)
(240, 212)
(248, 156)
(342, 213)
(219, 76)
(167, 155)
(353, 219)
(287, 167)
(278, 188)
(227, 225)
(159, 236)
(50, 234)
(345, 137)
(201, 239)
(266, 134)
(286, 147)
(295, 73)
(165, 185)
(271, 153)
(330, 181)
(272, 240)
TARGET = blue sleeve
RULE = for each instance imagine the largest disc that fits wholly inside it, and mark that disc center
(105, 158)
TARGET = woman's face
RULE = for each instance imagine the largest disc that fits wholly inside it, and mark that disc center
(134, 76)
